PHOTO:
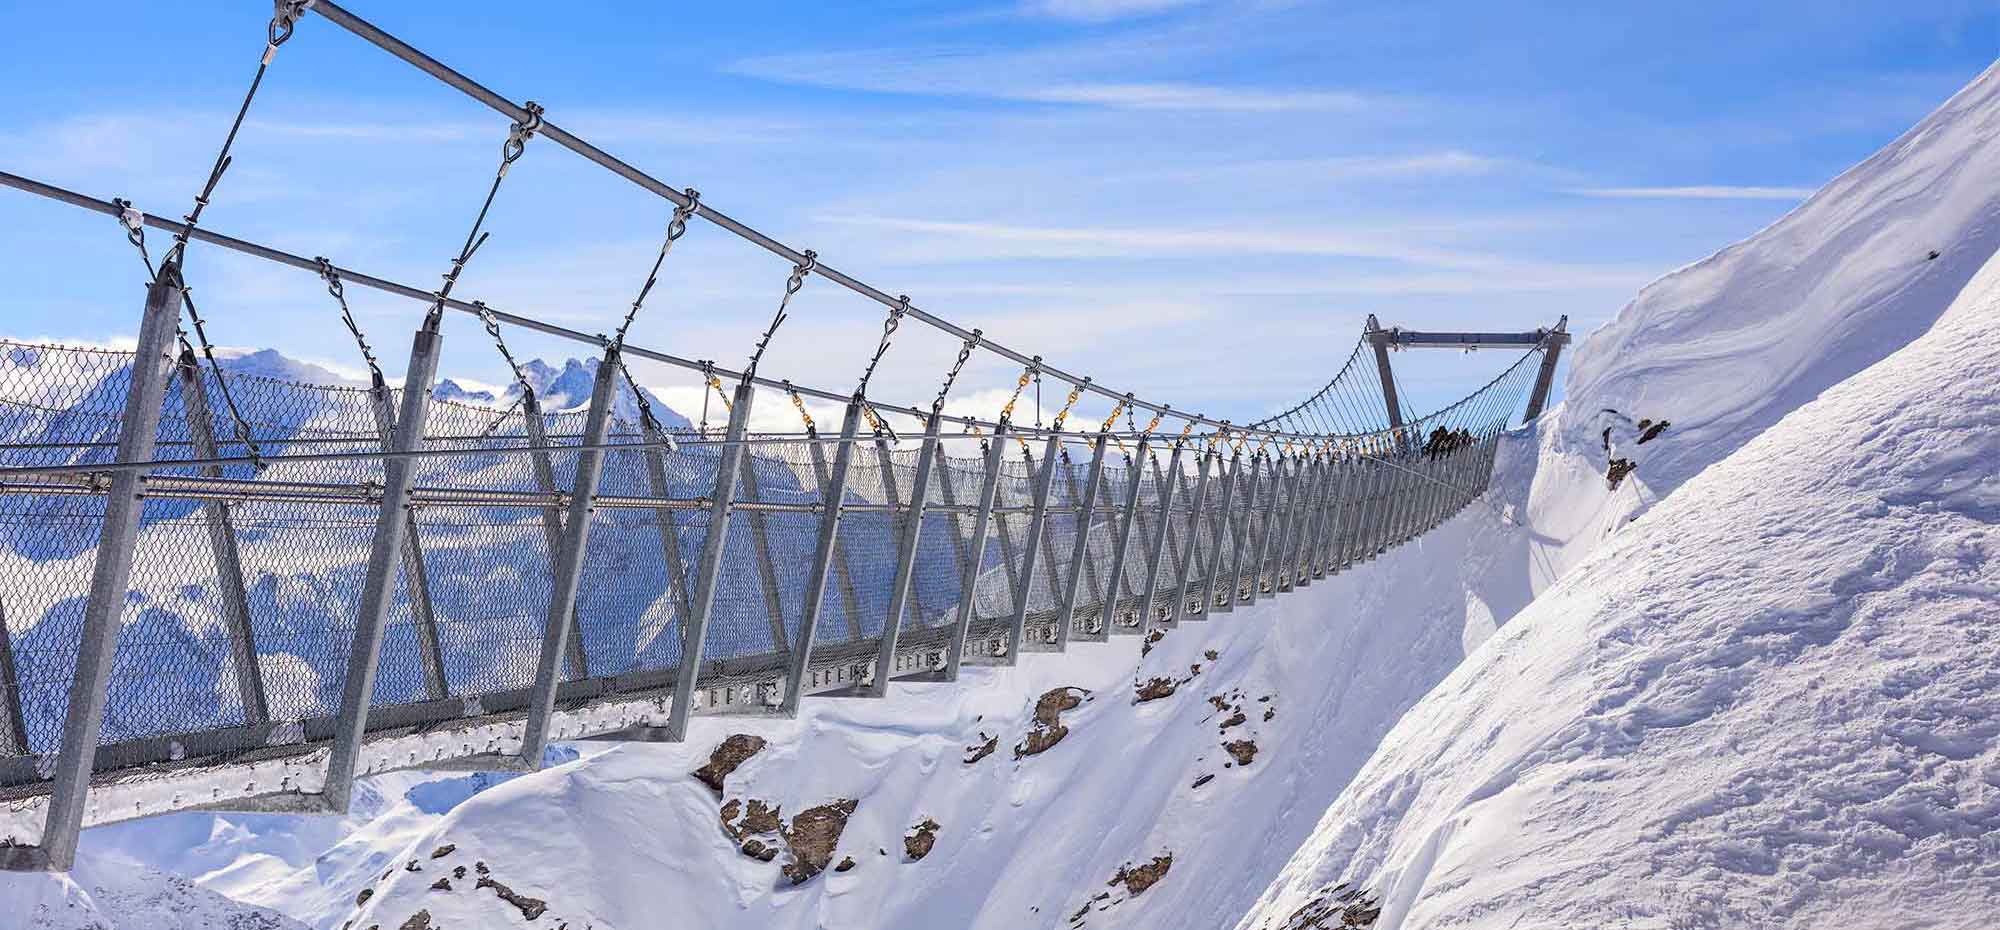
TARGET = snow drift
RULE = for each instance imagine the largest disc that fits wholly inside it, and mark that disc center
(614, 837)
(1727, 346)
(1770, 700)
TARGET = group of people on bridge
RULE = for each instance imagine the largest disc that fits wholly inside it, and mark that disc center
(1445, 441)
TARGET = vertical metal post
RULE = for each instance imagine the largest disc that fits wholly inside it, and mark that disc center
(1329, 551)
(709, 569)
(1240, 534)
(1246, 517)
(416, 578)
(111, 573)
(1437, 472)
(1305, 487)
(833, 498)
(989, 491)
(1192, 546)
(222, 543)
(1352, 487)
(537, 430)
(843, 568)
(1282, 567)
(670, 537)
(1050, 566)
(760, 548)
(1407, 491)
(13, 727)
(384, 555)
(1408, 497)
(1166, 494)
(906, 561)
(886, 461)
(1270, 528)
(1010, 553)
(1121, 549)
(948, 493)
(1545, 377)
(1321, 502)
(1080, 550)
(1218, 557)
(1307, 557)
(1363, 547)
(1329, 524)
(559, 631)
(1344, 515)
(1086, 514)
(1379, 338)
(1031, 547)
(1392, 493)
(1172, 553)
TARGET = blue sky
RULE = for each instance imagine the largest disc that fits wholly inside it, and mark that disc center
(1147, 191)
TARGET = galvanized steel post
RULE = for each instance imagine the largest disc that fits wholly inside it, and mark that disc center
(709, 569)
(1121, 550)
(833, 498)
(1268, 530)
(989, 490)
(1193, 543)
(1031, 547)
(1166, 493)
(111, 574)
(1086, 513)
(222, 543)
(559, 631)
(1218, 555)
(843, 568)
(537, 430)
(384, 555)
(416, 579)
(760, 548)
(906, 562)
(1239, 533)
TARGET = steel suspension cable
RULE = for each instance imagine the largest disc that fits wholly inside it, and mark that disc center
(284, 18)
(340, 16)
(676, 227)
(339, 292)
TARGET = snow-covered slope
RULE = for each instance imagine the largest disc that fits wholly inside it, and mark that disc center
(613, 839)
(112, 893)
(1772, 701)
(1723, 348)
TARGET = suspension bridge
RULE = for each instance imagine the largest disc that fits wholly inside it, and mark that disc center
(222, 590)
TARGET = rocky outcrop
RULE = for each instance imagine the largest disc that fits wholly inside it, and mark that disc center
(726, 757)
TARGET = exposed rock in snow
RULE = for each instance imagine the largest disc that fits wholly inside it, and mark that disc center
(1047, 729)
(725, 759)
(922, 838)
(812, 837)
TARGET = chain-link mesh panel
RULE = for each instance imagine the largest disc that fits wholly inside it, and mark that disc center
(246, 582)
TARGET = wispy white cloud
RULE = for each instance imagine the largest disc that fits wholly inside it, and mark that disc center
(1140, 68)
(1444, 163)
(1097, 11)
(1697, 192)
(1179, 96)
(1006, 241)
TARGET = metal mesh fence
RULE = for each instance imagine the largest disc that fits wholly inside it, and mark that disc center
(246, 581)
